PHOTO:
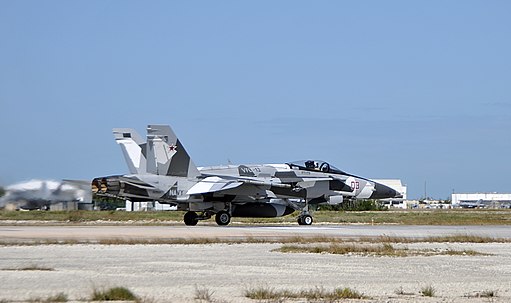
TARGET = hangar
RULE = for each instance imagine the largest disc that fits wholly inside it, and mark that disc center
(481, 200)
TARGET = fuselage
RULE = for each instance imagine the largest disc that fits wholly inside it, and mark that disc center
(269, 181)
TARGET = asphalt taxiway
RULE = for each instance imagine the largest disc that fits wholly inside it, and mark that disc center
(80, 233)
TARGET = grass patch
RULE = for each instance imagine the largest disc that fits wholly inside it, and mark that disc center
(284, 240)
(385, 249)
(488, 294)
(184, 241)
(465, 252)
(438, 239)
(60, 297)
(338, 249)
(265, 293)
(337, 294)
(36, 268)
(113, 294)
(318, 293)
(301, 240)
(465, 239)
(30, 268)
(82, 216)
(428, 291)
(203, 294)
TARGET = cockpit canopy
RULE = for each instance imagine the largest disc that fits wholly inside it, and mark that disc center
(315, 165)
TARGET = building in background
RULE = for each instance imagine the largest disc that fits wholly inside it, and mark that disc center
(398, 186)
(147, 206)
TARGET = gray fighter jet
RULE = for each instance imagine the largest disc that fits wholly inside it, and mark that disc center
(40, 194)
(258, 190)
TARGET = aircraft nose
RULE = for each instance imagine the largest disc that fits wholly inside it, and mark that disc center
(384, 192)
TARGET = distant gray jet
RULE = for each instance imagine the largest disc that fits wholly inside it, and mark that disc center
(40, 194)
(255, 190)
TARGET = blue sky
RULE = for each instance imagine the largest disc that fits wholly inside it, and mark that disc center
(415, 90)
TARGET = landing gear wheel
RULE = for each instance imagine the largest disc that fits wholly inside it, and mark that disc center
(190, 218)
(305, 220)
(223, 218)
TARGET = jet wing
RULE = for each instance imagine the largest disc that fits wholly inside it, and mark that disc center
(218, 184)
(276, 182)
(273, 182)
(213, 184)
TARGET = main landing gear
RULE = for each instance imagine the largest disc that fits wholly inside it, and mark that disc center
(191, 218)
(222, 218)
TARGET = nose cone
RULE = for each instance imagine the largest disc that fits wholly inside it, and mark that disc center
(384, 192)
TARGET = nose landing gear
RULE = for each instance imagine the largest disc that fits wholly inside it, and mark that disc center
(305, 217)
(305, 220)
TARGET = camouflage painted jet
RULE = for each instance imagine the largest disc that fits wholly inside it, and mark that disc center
(161, 170)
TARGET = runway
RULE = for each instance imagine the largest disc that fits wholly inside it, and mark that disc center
(96, 233)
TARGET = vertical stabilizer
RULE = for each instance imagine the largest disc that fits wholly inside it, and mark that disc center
(166, 155)
(133, 149)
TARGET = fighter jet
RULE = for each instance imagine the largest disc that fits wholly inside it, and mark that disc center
(40, 194)
(255, 190)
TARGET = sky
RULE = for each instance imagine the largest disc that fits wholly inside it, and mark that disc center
(412, 90)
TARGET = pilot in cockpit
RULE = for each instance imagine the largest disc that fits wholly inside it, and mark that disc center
(311, 164)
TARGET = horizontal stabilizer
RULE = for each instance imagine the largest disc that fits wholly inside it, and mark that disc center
(136, 183)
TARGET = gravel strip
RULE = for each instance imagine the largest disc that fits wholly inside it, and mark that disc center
(171, 273)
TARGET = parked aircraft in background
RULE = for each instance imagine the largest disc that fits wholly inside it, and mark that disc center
(41, 194)
(256, 190)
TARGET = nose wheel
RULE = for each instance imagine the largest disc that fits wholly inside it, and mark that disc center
(305, 220)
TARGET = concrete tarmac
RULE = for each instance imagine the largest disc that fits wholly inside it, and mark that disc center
(174, 272)
(235, 232)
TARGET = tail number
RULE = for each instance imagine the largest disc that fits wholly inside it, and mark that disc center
(355, 185)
